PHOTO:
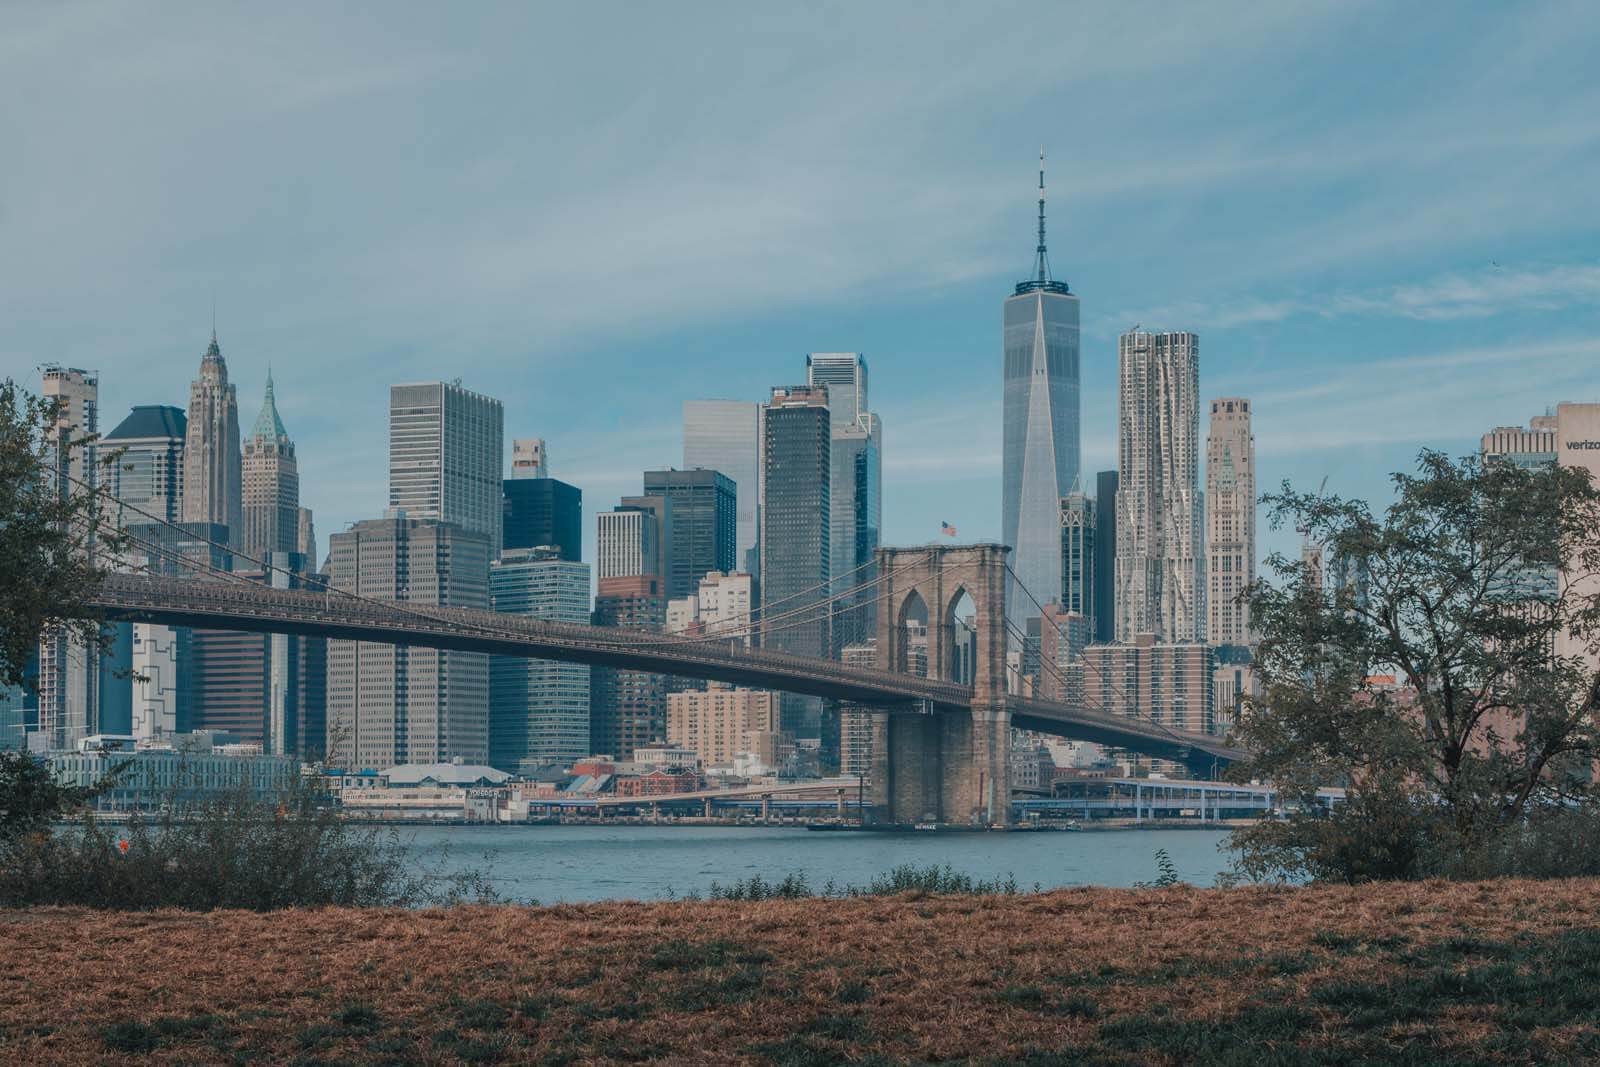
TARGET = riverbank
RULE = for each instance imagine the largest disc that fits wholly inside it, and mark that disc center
(1437, 973)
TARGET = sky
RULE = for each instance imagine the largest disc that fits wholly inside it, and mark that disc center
(1383, 221)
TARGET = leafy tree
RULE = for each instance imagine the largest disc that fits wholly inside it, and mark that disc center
(1476, 591)
(31, 798)
(54, 533)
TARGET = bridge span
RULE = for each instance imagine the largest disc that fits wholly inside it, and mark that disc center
(226, 606)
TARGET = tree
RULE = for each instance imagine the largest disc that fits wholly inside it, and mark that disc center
(1476, 591)
(54, 533)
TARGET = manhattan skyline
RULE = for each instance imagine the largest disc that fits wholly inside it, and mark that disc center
(1426, 224)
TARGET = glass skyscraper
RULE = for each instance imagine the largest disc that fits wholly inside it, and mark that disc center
(704, 527)
(720, 435)
(856, 502)
(148, 475)
(538, 709)
(1041, 446)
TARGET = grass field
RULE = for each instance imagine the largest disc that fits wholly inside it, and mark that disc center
(1421, 973)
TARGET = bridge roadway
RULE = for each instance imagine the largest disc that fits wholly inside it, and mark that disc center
(227, 606)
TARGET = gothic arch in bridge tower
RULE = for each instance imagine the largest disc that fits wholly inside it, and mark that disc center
(949, 768)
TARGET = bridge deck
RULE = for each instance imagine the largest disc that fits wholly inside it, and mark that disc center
(224, 606)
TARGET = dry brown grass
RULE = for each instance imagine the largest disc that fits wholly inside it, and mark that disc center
(1438, 972)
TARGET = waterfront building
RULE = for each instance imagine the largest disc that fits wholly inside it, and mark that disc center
(721, 722)
(1168, 683)
(538, 709)
(1040, 450)
(69, 674)
(855, 489)
(192, 768)
(446, 447)
(703, 530)
(543, 512)
(1105, 557)
(1230, 507)
(147, 478)
(1078, 527)
(390, 704)
(723, 435)
(271, 496)
(1160, 555)
(628, 709)
(212, 477)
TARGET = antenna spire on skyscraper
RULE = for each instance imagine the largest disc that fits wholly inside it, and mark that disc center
(1042, 267)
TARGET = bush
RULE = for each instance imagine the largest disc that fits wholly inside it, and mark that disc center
(235, 851)
(906, 878)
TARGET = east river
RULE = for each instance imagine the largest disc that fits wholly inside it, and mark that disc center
(552, 864)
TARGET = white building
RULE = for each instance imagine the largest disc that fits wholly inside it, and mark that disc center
(446, 447)
(1230, 521)
(1159, 588)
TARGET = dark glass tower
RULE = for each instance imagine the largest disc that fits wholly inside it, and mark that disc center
(705, 525)
(544, 511)
(1041, 446)
(1105, 557)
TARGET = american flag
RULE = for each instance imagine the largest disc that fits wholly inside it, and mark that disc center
(946, 529)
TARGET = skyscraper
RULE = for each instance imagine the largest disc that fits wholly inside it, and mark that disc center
(69, 675)
(147, 478)
(628, 542)
(212, 480)
(446, 447)
(1230, 521)
(703, 532)
(628, 709)
(271, 500)
(538, 709)
(796, 519)
(543, 512)
(1105, 558)
(722, 435)
(856, 488)
(392, 704)
(1159, 520)
(1078, 528)
(1041, 439)
(528, 458)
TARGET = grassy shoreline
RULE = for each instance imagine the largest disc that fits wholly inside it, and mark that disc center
(1500, 972)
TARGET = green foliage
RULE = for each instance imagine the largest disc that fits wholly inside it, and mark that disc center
(1166, 873)
(1495, 721)
(235, 851)
(53, 533)
(31, 798)
(905, 878)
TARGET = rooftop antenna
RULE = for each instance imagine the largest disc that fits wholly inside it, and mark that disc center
(1042, 266)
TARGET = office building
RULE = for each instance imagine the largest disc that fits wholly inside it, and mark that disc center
(393, 704)
(1160, 555)
(723, 435)
(1531, 446)
(446, 448)
(212, 477)
(1041, 428)
(796, 511)
(1105, 557)
(147, 478)
(528, 458)
(69, 674)
(1078, 528)
(1063, 635)
(628, 709)
(544, 513)
(628, 540)
(726, 605)
(1169, 684)
(855, 488)
(271, 497)
(721, 722)
(1578, 445)
(1230, 508)
(305, 536)
(856, 721)
(538, 709)
(703, 533)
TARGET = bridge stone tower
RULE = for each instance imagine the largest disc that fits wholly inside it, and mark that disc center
(944, 768)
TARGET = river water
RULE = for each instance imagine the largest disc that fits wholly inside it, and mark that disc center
(552, 864)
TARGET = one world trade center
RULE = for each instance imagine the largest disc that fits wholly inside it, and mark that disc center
(1041, 429)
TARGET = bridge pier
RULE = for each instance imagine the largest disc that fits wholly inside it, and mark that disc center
(947, 767)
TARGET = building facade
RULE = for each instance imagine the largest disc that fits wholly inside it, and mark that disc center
(147, 478)
(704, 529)
(1079, 526)
(1170, 684)
(796, 520)
(446, 447)
(855, 490)
(1041, 429)
(628, 709)
(212, 477)
(1159, 514)
(1105, 557)
(271, 478)
(721, 722)
(538, 709)
(543, 512)
(723, 435)
(1230, 505)
(627, 542)
(394, 704)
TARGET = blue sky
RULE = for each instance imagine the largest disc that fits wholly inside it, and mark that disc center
(1382, 220)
